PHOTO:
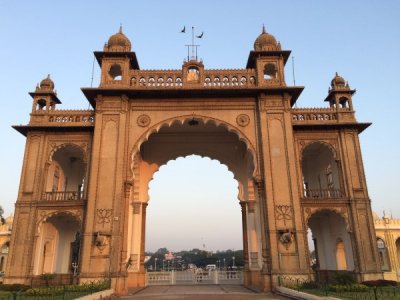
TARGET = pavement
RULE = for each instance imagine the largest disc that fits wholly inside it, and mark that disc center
(199, 292)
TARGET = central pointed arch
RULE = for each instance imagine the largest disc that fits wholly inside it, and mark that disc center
(192, 135)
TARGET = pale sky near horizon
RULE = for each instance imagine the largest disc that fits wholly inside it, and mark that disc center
(359, 39)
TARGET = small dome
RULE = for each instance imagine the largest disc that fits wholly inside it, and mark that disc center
(47, 84)
(118, 42)
(338, 82)
(265, 42)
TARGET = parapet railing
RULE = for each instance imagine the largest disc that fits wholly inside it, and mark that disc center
(62, 196)
(172, 79)
(63, 117)
(323, 193)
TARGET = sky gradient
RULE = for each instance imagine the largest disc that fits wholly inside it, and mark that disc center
(359, 39)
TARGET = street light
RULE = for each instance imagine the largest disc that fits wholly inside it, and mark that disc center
(163, 264)
(155, 264)
(233, 262)
(224, 264)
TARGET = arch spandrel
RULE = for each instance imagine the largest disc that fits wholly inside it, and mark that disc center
(82, 147)
(44, 215)
(341, 211)
(205, 120)
(329, 145)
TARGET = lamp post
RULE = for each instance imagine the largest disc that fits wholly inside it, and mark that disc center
(155, 264)
(233, 262)
(163, 261)
(224, 264)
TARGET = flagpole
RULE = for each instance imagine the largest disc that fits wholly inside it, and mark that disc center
(192, 41)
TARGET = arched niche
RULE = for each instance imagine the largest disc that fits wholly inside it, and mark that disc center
(320, 171)
(56, 243)
(66, 170)
(332, 241)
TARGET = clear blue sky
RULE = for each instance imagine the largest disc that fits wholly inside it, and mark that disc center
(358, 39)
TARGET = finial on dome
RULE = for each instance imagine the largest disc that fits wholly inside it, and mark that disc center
(120, 28)
(263, 29)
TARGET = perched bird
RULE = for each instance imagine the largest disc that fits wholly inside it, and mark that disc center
(184, 29)
(200, 36)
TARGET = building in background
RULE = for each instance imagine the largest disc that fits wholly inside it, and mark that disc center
(5, 236)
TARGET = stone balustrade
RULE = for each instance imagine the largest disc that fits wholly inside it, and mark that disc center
(169, 79)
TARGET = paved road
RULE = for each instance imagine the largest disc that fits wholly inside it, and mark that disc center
(200, 292)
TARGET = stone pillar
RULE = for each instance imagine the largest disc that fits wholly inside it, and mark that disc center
(142, 246)
(253, 244)
(245, 237)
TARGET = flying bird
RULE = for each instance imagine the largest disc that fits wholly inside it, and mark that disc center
(184, 29)
(200, 36)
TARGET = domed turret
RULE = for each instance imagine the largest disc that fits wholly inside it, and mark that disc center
(118, 43)
(47, 84)
(338, 82)
(266, 42)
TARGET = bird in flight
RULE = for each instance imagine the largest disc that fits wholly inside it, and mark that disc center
(184, 29)
(200, 36)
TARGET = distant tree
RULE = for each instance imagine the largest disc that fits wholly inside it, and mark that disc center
(162, 251)
(2, 220)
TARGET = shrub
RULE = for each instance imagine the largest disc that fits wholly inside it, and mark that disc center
(343, 278)
(16, 287)
(380, 282)
(340, 288)
(310, 285)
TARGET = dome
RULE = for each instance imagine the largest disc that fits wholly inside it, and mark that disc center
(47, 84)
(118, 42)
(338, 81)
(265, 42)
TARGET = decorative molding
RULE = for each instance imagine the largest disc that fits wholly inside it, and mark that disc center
(286, 237)
(143, 120)
(136, 208)
(283, 212)
(243, 120)
(103, 216)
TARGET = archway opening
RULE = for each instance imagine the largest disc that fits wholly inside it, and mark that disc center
(321, 176)
(194, 207)
(222, 145)
(383, 254)
(65, 175)
(331, 242)
(57, 245)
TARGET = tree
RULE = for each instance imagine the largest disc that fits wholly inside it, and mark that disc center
(2, 220)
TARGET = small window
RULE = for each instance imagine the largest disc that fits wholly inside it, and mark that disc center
(193, 74)
(41, 104)
(115, 72)
(270, 71)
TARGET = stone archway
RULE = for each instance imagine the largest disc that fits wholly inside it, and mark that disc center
(206, 139)
(332, 241)
(56, 239)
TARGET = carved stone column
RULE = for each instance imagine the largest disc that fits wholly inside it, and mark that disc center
(245, 237)
(136, 236)
(253, 254)
(144, 206)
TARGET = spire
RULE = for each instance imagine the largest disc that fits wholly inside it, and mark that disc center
(263, 29)
(120, 28)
